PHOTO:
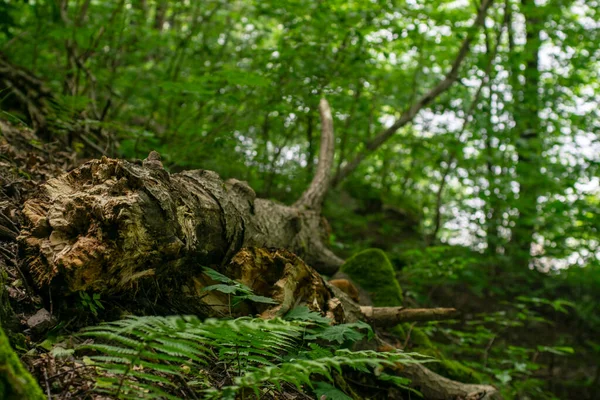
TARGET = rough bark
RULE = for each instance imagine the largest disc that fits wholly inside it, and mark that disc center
(109, 223)
(114, 222)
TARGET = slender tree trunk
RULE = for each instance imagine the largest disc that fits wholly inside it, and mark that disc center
(311, 147)
(528, 140)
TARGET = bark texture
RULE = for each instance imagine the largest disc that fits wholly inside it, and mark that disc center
(109, 223)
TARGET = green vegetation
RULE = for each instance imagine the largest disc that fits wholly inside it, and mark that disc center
(373, 271)
(15, 381)
(153, 356)
(465, 173)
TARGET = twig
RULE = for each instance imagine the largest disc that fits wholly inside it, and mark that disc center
(47, 385)
(9, 221)
(408, 335)
(67, 371)
(487, 349)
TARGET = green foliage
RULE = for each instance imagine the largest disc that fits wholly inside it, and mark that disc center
(373, 271)
(91, 303)
(16, 382)
(495, 179)
(230, 287)
(150, 356)
(330, 392)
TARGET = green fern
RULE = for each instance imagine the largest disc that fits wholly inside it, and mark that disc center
(174, 357)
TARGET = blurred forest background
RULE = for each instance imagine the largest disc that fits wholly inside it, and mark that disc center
(468, 152)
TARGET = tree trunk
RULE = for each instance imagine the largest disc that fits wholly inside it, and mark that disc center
(528, 140)
(109, 223)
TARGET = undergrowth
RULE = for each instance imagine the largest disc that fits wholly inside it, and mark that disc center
(183, 357)
(175, 357)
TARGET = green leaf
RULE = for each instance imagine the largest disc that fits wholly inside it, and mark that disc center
(258, 299)
(330, 392)
(338, 333)
(217, 276)
(303, 313)
(228, 289)
(61, 352)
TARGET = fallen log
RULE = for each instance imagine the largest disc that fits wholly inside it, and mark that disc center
(283, 276)
(110, 222)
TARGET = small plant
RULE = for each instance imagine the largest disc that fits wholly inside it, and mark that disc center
(91, 303)
(236, 292)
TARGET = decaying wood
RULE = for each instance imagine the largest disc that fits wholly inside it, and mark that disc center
(437, 387)
(286, 278)
(109, 223)
(390, 316)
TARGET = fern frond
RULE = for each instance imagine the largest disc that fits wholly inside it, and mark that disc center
(142, 356)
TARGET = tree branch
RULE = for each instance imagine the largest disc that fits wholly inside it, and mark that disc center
(408, 115)
(313, 197)
(390, 316)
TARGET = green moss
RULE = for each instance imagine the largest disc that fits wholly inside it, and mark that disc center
(420, 338)
(373, 272)
(455, 370)
(16, 383)
(399, 331)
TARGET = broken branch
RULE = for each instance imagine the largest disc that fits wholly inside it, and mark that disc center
(313, 197)
(390, 316)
